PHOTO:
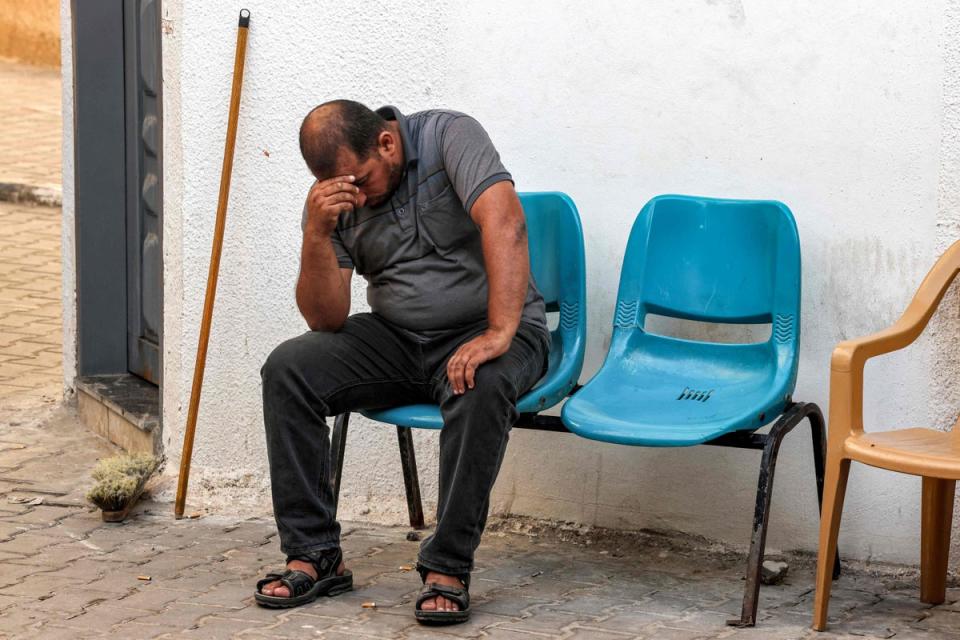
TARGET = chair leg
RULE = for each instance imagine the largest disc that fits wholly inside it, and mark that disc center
(835, 486)
(937, 513)
(338, 445)
(411, 483)
(761, 516)
(818, 431)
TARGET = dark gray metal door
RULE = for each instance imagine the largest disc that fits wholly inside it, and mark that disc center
(143, 149)
(101, 186)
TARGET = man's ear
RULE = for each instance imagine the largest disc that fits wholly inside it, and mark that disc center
(386, 143)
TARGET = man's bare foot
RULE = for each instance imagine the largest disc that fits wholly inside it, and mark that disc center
(440, 603)
(281, 591)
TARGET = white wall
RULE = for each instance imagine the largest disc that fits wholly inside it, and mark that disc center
(845, 112)
(298, 55)
(832, 108)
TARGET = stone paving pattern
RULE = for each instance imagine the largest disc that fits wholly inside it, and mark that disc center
(30, 300)
(30, 126)
(30, 306)
(66, 574)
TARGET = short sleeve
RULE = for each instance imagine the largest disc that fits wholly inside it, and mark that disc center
(343, 258)
(471, 161)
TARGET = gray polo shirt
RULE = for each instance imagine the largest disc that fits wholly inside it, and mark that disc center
(420, 252)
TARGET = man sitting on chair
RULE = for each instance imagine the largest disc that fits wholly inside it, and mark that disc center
(421, 206)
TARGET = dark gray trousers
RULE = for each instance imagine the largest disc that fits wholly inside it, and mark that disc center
(371, 364)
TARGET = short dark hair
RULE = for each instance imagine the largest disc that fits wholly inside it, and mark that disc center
(336, 124)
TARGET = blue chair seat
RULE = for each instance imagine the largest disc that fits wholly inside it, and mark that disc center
(415, 416)
(671, 393)
(546, 393)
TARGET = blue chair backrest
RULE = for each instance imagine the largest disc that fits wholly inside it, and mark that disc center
(713, 260)
(558, 265)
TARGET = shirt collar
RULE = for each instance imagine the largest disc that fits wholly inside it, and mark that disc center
(390, 112)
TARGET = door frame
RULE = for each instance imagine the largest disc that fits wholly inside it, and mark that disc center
(144, 122)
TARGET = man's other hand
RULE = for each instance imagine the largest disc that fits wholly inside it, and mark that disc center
(328, 199)
(462, 366)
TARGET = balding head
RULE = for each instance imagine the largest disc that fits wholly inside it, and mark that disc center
(335, 126)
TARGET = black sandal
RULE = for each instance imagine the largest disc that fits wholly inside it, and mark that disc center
(460, 596)
(303, 588)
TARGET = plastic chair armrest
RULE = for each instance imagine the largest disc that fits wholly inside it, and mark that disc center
(853, 354)
(848, 361)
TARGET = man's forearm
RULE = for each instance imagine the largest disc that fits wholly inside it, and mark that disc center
(323, 296)
(508, 272)
(504, 238)
(503, 235)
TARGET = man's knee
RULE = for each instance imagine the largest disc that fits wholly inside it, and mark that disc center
(281, 361)
(307, 356)
(295, 373)
(494, 384)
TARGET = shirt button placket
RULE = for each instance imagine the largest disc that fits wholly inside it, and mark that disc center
(402, 218)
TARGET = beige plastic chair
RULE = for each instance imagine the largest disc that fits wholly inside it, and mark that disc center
(934, 455)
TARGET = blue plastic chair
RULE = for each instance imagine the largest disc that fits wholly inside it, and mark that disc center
(555, 240)
(716, 261)
(721, 261)
(557, 262)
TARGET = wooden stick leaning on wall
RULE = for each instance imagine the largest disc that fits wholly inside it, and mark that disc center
(214, 264)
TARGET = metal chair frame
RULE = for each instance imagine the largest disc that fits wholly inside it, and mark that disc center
(768, 443)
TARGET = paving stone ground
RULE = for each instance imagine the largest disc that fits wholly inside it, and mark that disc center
(30, 301)
(66, 574)
(30, 125)
(30, 307)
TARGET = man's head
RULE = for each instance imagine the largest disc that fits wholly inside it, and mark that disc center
(343, 137)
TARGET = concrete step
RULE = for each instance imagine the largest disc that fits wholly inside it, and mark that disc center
(124, 409)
